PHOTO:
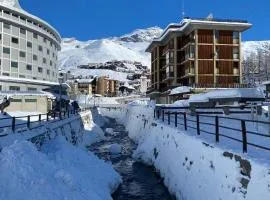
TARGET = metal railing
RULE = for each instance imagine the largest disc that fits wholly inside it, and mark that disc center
(29, 121)
(213, 125)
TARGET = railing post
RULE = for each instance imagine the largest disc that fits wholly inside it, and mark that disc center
(68, 113)
(28, 121)
(169, 117)
(185, 120)
(217, 128)
(158, 113)
(47, 116)
(198, 124)
(54, 115)
(60, 115)
(163, 113)
(175, 119)
(244, 135)
(13, 123)
(39, 117)
(154, 113)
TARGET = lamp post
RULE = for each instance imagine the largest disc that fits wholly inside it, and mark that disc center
(60, 93)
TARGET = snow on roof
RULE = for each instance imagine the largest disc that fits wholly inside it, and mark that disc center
(180, 90)
(84, 80)
(25, 80)
(25, 93)
(249, 93)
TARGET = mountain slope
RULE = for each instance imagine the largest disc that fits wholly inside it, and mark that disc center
(129, 47)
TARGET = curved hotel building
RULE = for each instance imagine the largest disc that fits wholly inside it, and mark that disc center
(28, 50)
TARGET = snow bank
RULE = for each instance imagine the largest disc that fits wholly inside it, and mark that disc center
(180, 90)
(58, 171)
(228, 93)
(193, 169)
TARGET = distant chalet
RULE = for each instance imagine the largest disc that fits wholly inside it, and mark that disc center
(201, 53)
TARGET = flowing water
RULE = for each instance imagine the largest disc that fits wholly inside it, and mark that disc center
(139, 181)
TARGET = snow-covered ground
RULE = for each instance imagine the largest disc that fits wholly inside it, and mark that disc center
(193, 168)
(58, 170)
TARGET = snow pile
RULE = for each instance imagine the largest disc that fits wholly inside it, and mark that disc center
(115, 149)
(252, 93)
(139, 102)
(191, 167)
(180, 90)
(109, 131)
(58, 171)
(181, 103)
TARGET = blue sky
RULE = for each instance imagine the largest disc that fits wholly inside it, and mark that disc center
(92, 19)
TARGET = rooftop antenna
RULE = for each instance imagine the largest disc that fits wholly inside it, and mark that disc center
(183, 9)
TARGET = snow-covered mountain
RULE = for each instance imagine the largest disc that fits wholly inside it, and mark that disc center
(130, 47)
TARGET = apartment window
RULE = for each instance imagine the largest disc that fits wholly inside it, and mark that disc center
(35, 35)
(50, 63)
(21, 76)
(16, 100)
(14, 64)
(35, 57)
(6, 12)
(22, 54)
(34, 78)
(235, 37)
(23, 19)
(0, 36)
(40, 70)
(22, 31)
(40, 48)
(30, 100)
(32, 89)
(44, 60)
(29, 67)
(48, 72)
(14, 88)
(45, 40)
(53, 55)
(6, 50)
(15, 40)
(29, 44)
(48, 51)
(6, 26)
(5, 74)
(51, 44)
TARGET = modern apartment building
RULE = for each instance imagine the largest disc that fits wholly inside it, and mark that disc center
(28, 50)
(202, 53)
(107, 87)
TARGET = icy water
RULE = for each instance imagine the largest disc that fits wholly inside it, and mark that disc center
(139, 181)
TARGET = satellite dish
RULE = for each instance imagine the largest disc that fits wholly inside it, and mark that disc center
(210, 16)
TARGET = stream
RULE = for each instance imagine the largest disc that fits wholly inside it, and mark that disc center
(139, 180)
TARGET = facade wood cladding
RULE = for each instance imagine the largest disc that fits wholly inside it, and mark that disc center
(205, 36)
(225, 37)
(224, 80)
(204, 80)
(205, 51)
(206, 67)
(225, 67)
(224, 52)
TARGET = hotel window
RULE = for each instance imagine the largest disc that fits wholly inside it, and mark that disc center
(21, 76)
(35, 36)
(29, 67)
(14, 40)
(48, 51)
(5, 74)
(35, 57)
(45, 40)
(22, 54)
(50, 63)
(30, 100)
(44, 60)
(48, 72)
(6, 50)
(6, 26)
(235, 53)
(32, 89)
(23, 19)
(40, 70)
(40, 48)
(14, 88)
(22, 31)
(29, 44)
(235, 37)
(14, 64)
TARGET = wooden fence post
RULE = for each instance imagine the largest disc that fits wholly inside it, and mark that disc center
(169, 117)
(244, 135)
(13, 124)
(28, 121)
(175, 119)
(198, 124)
(185, 120)
(217, 128)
